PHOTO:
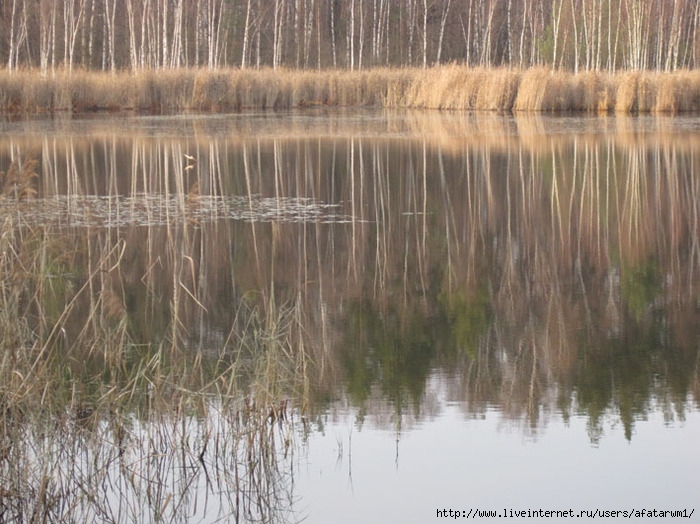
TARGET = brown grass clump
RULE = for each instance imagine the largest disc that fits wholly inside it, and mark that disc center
(544, 90)
(19, 182)
(212, 91)
(161, 91)
(626, 92)
(455, 87)
(451, 87)
(498, 90)
(643, 92)
(12, 90)
(596, 93)
(678, 92)
(647, 90)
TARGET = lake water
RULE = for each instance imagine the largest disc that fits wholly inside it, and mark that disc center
(488, 312)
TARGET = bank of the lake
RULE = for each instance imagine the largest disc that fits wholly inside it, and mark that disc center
(451, 87)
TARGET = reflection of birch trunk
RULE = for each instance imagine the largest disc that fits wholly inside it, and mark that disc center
(249, 194)
(381, 220)
(555, 202)
(694, 232)
(351, 163)
(406, 250)
(630, 219)
(473, 217)
(450, 224)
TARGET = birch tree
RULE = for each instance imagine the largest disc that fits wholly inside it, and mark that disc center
(425, 34)
(73, 11)
(109, 40)
(18, 33)
(637, 32)
(411, 16)
(47, 35)
(278, 32)
(674, 40)
(176, 49)
(350, 38)
(246, 35)
(443, 22)
(556, 25)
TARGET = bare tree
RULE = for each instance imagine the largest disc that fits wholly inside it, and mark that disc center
(278, 34)
(350, 38)
(73, 11)
(411, 16)
(109, 41)
(47, 34)
(176, 48)
(638, 12)
(425, 34)
(675, 35)
(575, 34)
(443, 23)
(18, 33)
(246, 35)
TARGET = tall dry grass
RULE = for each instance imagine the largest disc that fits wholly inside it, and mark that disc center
(65, 320)
(71, 359)
(453, 87)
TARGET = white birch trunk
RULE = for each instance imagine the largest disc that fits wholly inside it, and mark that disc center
(443, 22)
(246, 36)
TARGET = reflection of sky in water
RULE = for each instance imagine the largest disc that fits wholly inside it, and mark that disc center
(453, 462)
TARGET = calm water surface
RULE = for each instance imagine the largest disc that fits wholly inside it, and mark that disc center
(500, 313)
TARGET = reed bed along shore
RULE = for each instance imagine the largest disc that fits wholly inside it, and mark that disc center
(451, 87)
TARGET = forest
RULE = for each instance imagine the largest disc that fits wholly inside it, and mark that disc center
(132, 35)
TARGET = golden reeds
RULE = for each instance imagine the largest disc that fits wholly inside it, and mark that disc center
(441, 87)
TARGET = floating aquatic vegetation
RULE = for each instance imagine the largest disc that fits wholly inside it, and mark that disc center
(158, 210)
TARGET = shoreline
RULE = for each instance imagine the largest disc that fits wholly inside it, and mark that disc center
(27, 93)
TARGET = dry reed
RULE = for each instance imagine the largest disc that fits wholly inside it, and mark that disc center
(124, 412)
(441, 87)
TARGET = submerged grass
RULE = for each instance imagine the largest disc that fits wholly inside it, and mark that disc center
(442, 87)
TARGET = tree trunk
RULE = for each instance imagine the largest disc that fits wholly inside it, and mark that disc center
(443, 22)
(246, 36)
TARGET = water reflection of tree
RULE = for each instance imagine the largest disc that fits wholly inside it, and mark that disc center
(580, 250)
(546, 272)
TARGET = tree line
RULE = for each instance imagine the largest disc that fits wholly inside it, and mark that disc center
(574, 35)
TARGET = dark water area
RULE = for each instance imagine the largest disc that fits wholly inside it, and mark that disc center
(489, 312)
